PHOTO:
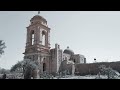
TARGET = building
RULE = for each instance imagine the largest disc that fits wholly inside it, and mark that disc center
(38, 49)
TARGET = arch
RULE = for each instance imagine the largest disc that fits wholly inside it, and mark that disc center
(44, 67)
(32, 37)
(74, 61)
(43, 38)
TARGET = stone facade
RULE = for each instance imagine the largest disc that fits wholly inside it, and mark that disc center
(56, 58)
(38, 48)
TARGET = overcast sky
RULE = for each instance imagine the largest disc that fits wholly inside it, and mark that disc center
(94, 34)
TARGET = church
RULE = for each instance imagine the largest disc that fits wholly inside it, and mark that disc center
(51, 60)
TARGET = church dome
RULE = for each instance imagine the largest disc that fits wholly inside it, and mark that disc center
(68, 51)
(38, 17)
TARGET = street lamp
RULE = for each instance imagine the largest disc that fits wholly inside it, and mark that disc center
(95, 59)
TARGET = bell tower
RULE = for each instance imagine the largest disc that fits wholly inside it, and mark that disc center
(38, 42)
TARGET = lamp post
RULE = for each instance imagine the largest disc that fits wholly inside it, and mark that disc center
(95, 60)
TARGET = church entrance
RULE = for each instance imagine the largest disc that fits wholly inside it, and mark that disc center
(44, 67)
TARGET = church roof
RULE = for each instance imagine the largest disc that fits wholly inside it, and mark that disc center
(68, 51)
(38, 17)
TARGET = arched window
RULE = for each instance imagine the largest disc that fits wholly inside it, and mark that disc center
(43, 38)
(33, 36)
